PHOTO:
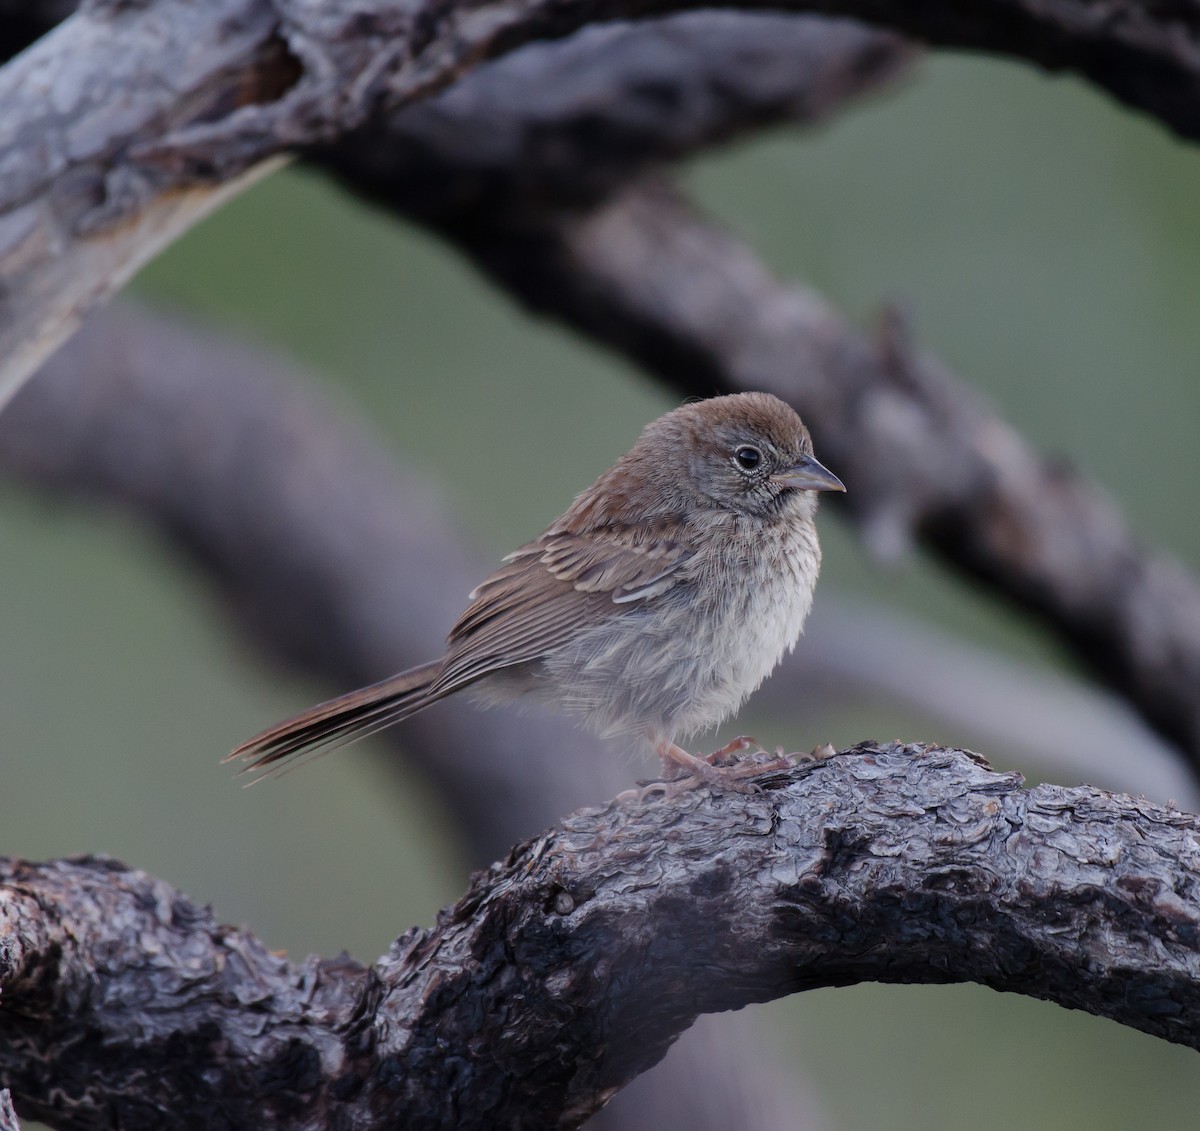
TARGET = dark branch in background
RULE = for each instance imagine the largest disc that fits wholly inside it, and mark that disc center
(204, 94)
(640, 270)
(146, 132)
(510, 164)
(569, 968)
(564, 124)
(349, 61)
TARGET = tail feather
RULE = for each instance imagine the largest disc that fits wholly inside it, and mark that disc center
(340, 721)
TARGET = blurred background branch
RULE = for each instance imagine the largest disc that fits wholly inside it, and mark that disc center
(88, 196)
(229, 454)
(490, 164)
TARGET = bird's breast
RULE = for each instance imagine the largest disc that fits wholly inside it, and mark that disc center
(682, 661)
(765, 579)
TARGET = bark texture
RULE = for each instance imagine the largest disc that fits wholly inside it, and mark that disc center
(569, 967)
(139, 112)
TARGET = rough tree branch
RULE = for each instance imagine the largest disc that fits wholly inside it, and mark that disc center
(127, 124)
(129, 386)
(569, 968)
(111, 189)
(179, 99)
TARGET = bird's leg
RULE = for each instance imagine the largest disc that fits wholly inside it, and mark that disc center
(696, 771)
(675, 758)
(683, 771)
(752, 765)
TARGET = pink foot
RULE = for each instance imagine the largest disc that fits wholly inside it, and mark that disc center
(738, 745)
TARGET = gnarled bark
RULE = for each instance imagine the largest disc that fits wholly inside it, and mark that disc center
(205, 94)
(569, 967)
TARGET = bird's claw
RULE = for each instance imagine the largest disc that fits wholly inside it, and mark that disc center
(738, 745)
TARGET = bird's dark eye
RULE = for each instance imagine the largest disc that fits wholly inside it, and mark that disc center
(747, 457)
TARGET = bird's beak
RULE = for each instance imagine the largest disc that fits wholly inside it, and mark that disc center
(808, 475)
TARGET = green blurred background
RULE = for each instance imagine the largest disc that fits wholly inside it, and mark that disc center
(1043, 241)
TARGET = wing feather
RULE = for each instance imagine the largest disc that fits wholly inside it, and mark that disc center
(545, 591)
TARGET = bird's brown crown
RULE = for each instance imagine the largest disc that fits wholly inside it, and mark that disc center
(714, 454)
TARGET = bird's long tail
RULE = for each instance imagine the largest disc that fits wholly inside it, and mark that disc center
(339, 721)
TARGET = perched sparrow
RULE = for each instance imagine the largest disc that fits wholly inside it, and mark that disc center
(662, 598)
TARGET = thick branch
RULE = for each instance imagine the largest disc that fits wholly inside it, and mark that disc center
(81, 208)
(900, 365)
(145, 120)
(570, 967)
(565, 123)
(120, 123)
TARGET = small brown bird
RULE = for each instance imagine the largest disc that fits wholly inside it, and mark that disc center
(662, 598)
